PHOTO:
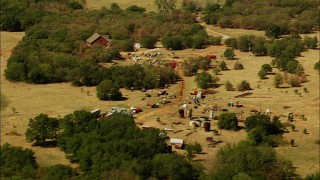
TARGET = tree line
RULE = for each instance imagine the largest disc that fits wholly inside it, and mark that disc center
(265, 15)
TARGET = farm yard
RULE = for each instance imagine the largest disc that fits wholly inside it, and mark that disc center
(60, 99)
(166, 116)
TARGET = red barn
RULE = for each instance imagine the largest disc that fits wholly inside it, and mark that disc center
(97, 39)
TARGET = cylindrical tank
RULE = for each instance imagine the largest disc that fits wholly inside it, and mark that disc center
(181, 113)
(211, 114)
(207, 126)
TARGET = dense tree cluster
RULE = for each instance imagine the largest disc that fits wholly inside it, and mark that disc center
(273, 16)
(192, 65)
(247, 161)
(104, 145)
(17, 162)
(193, 37)
(53, 49)
(260, 127)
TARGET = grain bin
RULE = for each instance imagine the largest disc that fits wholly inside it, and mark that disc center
(189, 113)
(207, 126)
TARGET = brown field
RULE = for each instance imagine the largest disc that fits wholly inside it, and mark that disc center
(149, 5)
(28, 100)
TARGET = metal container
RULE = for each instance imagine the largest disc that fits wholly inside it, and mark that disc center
(207, 126)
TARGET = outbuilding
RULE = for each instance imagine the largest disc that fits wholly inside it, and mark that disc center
(97, 39)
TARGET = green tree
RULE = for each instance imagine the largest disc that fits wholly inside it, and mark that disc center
(223, 65)
(231, 42)
(262, 74)
(41, 128)
(229, 53)
(310, 42)
(135, 8)
(198, 41)
(148, 41)
(192, 149)
(17, 163)
(244, 43)
(214, 40)
(228, 121)
(266, 67)
(278, 80)
(273, 31)
(251, 161)
(172, 166)
(216, 70)
(57, 172)
(229, 86)
(204, 80)
(244, 85)
(165, 6)
(74, 4)
(107, 90)
(114, 6)
(259, 48)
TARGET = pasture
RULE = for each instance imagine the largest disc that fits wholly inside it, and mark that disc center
(149, 5)
(29, 100)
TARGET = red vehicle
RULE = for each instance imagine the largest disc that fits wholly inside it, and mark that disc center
(173, 64)
(212, 57)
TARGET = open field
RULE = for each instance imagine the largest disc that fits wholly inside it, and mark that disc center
(27, 101)
(149, 5)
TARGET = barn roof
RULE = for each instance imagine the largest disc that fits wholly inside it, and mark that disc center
(95, 36)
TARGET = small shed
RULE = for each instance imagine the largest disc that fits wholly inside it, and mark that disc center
(97, 39)
(176, 141)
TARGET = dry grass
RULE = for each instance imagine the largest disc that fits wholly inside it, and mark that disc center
(149, 5)
(60, 99)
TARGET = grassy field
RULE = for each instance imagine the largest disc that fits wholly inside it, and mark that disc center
(60, 99)
(3, 102)
(149, 4)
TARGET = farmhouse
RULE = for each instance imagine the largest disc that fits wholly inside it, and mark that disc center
(97, 39)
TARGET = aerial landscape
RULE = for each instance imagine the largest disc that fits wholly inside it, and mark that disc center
(160, 89)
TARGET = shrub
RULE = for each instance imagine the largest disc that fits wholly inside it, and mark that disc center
(244, 85)
(262, 74)
(238, 66)
(278, 80)
(266, 67)
(223, 65)
(216, 70)
(229, 86)
(228, 121)
(148, 41)
(214, 40)
(294, 81)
